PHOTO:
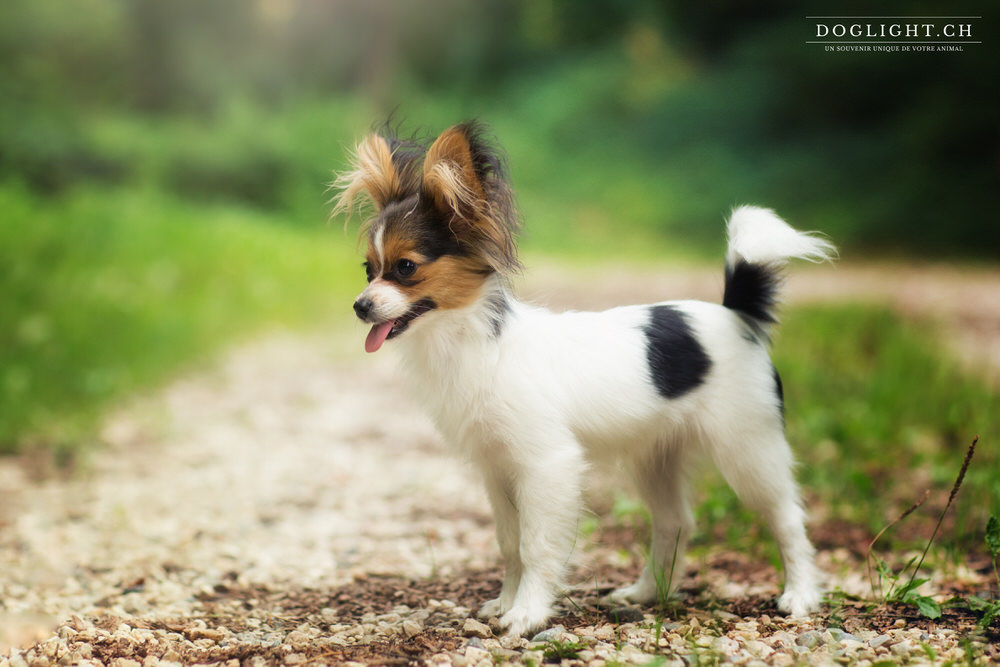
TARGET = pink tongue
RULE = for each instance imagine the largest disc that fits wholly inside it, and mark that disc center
(377, 336)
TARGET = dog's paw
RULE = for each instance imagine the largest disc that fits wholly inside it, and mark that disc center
(492, 608)
(800, 602)
(637, 593)
(522, 620)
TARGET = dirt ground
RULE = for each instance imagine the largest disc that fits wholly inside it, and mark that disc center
(290, 505)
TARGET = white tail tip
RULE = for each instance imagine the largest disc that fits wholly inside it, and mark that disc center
(759, 236)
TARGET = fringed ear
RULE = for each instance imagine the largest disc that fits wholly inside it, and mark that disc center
(450, 177)
(463, 178)
(375, 176)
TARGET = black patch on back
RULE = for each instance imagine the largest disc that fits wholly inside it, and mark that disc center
(752, 289)
(677, 361)
(779, 390)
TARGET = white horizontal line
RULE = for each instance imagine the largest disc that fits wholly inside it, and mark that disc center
(893, 42)
(895, 17)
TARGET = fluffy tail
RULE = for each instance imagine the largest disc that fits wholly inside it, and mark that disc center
(760, 245)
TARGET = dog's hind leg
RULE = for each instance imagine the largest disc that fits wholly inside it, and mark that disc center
(759, 468)
(662, 484)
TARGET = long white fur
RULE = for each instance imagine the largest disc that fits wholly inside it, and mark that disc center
(759, 236)
(533, 406)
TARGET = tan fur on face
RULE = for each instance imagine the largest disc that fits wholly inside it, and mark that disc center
(373, 176)
(450, 281)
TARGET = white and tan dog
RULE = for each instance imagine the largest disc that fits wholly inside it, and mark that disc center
(533, 396)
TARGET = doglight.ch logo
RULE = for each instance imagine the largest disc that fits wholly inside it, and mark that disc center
(881, 34)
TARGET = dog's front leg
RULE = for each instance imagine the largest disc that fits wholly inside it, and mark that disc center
(501, 495)
(547, 490)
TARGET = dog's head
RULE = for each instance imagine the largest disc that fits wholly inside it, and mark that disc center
(442, 223)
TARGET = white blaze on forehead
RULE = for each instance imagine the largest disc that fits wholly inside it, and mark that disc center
(378, 231)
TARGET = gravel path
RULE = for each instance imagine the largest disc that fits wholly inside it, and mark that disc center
(291, 506)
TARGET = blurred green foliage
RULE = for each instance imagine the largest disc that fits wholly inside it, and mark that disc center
(884, 404)
(164, 163)
(649, 116)
(106, 291)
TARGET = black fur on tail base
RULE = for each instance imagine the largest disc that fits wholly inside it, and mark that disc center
(752, 290)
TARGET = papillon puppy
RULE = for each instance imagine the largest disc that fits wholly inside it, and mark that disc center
(534, 397)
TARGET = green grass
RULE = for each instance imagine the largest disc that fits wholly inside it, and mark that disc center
(106, 291)
(877, 412)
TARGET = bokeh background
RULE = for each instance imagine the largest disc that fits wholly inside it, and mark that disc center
(164, 168)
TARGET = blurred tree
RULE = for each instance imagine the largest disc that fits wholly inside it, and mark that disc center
(906, 145)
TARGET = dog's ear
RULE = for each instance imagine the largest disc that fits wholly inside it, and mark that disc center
(374, 175)
(463, 179)
(450, 178)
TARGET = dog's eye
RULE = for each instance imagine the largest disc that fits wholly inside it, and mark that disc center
(368, 271)
(405, 268)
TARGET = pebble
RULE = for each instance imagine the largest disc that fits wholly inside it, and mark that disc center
(840, 635)
(809, 639)
(903, 648)
(630, 614)
(549, 635)
(411, 628)
(262, 631)
(473, 628)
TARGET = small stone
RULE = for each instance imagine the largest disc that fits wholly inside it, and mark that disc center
(494, 625)
(549, 635)
(783, 660)
(725, 646)
(474, 655)
(810, 639)
(875, 642)
(631, 614)
(783, 639)
(204, 633)
(473, 628)
(439, 660)
(633, 654)
(903, 648)
(411, 628)
(294, 659)
(841, 635)
(758, 649)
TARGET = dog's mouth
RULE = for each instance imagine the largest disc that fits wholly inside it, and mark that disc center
(383, 331)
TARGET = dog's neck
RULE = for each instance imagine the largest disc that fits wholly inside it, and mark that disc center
(450, 343)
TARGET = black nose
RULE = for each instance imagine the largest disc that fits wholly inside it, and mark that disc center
(363, 307)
